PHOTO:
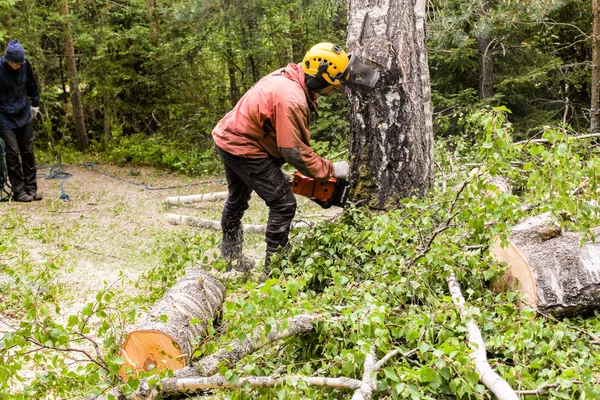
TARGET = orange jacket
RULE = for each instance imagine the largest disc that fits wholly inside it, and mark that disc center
(271, 120)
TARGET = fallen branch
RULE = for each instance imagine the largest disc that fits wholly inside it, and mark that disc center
(189, 385)
(196, 198)
(176, 219)
(591, 135)
(487, 376)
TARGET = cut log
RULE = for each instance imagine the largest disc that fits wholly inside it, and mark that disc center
(166, 339)
(555, 274)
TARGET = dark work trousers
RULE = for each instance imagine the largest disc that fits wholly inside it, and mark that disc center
(264, 177)
(22, 174)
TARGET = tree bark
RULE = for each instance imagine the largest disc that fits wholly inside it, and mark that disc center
(555, 274)
(595, 106)
(76, 102)
(486, 61)
(153, 21)
(166, 339)
(391, 134)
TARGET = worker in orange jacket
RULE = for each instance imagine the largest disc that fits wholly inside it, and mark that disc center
(269, 127)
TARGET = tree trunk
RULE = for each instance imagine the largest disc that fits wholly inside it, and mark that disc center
(486, 67)
(391, 134)
(553, 272)
(234, 90)
(80, 131)
(166, 339)
(595, 107)
(153, 21)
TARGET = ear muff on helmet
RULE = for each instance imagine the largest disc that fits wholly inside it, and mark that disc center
(317, 82)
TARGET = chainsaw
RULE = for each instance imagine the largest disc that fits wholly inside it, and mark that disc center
(326, 193)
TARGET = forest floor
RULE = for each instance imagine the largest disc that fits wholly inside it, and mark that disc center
(111, 231)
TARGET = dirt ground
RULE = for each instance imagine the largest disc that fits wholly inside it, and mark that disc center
(107, 232)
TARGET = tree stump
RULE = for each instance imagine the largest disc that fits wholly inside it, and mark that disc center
(550, 268)
(166, 339)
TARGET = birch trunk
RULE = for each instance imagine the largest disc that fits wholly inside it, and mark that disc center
(595, 106)
(391, 134)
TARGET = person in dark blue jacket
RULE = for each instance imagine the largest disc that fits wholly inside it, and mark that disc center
(18, 87)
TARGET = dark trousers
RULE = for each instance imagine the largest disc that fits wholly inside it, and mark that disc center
(21, 173)
(264, 177)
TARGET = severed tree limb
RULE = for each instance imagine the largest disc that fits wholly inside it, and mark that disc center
(196, 198)
(186, 385)
(591, 135)
(365, 392)
(176, 219)
(236, 350)
(487, 376)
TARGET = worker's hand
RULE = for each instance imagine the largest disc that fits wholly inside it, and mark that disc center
(287, 175)
(34, 112)
(341, 170)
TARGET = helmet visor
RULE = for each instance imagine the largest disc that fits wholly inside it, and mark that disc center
(359, 75)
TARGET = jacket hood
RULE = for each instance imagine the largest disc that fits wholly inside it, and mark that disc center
(295, 73)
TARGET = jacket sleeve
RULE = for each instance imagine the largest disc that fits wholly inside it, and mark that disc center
(293, 139)
(33, 91)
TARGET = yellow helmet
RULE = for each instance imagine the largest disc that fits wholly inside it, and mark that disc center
(326, 60)
(327, 64)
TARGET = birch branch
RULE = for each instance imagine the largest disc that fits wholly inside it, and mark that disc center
(365, 392)
(297, 325)
(204, 223)
(196, 198)
(487, 376)
(591, 135)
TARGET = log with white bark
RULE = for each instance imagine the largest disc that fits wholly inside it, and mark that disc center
(555, 274)
(196, 198)
(204, 223)
(166, 339)
(487, 376)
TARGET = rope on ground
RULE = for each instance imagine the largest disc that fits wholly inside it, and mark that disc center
(90, 167)
(58, 172)
(5, 189)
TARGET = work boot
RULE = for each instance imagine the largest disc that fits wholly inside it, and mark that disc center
(267, 270)
(241, 263)
(36, 196)
(22, 197)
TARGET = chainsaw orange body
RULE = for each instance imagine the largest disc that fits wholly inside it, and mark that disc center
(332, 192)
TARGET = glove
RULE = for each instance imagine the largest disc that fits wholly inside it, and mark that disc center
(341, 169)
(287, 176)
(34, 112)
